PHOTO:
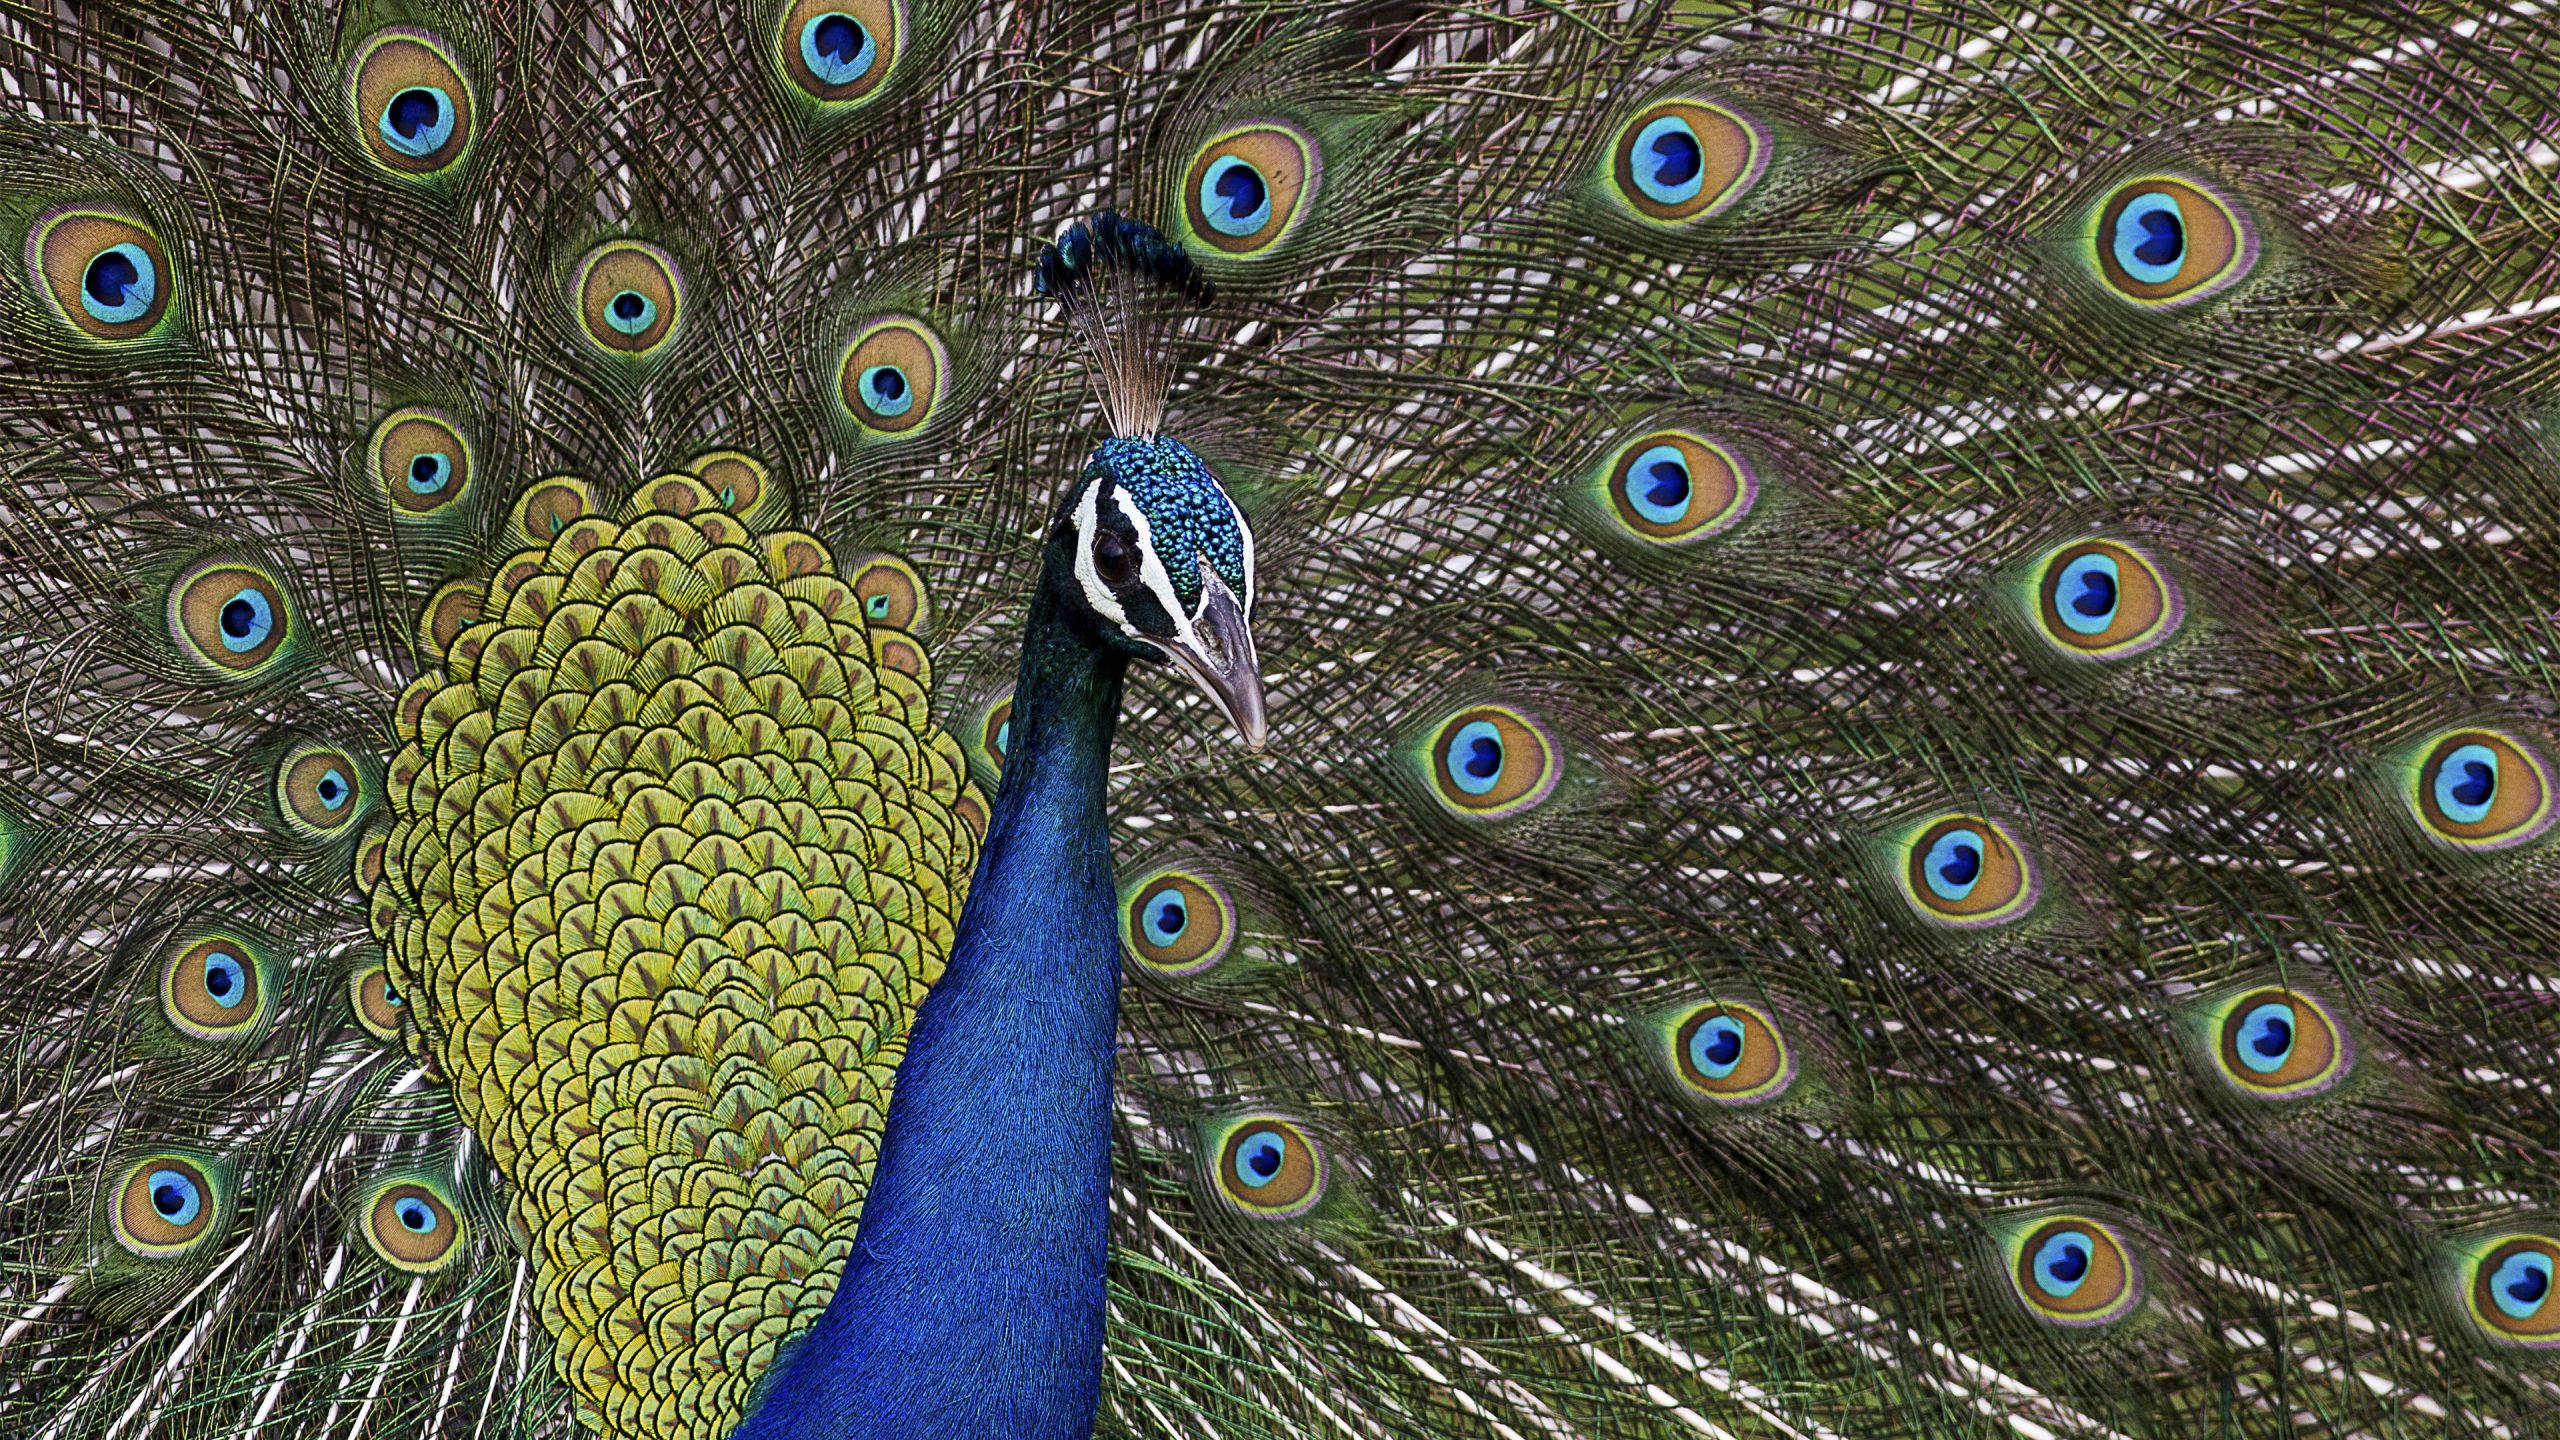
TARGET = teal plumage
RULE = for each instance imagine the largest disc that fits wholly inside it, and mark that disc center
(1911, 737)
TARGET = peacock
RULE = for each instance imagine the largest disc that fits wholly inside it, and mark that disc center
(1234, 719)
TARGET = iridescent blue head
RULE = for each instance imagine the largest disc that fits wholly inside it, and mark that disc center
(1161, 555)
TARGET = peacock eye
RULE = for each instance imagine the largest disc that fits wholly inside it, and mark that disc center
(316, 791)
(1114, 559)
(106, 273)
(2280, 1044)
(1489, 761)
(228, 615)
(1967, 871)
(1177, 923)
(735, 476)
(2076, 1271)
(629, 296)
(413, 107)
(376, 1002)
(2510, 1290)
(891, 592)
(165, 1207)
(1681, 160)
(2103, 600)
(1732, 1054)
(1269, 1167)
(211, 989)
(412, 1228)
(2163, 241)
(840, 52)
(1672, 487)
(421, 459)
(1246, 187)
(891, 376)
(552, 505)
(2481, 790)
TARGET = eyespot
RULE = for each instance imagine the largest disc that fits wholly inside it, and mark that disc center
(2481, 790)
(1489, 761)
(891, 375)
(1682, 160)
(2510, 1290)
(1268, 1167)
(891, 592)
(630, 296)
(1967, 871)
(165, 1206)
(553, 505)
(412, 1227)
(214, 988)
(2075, 1271)
(106, 273)
(840, 52)
(2163, 241)
(2279, 1044)
(413, 107)
(1177, 923)
(421, 459)
(319, 791)
(229, 615)
(1248, 185)
(1732, 1054)
(1672, 487)
(995, 733)
(2103, 600)
(377, 1002)
(739, 481)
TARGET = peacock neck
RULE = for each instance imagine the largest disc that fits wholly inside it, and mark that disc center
(973, 1305)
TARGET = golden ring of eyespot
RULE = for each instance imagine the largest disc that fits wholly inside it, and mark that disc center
(213, 987)
(2279, 1044)
(1247, 187)
(840, 52)
(891, 592)
(630, 297)
(1965, 871)
(1678, 161)
(104, 272)
(2511, 1294)
(892, 375)
(421, 459)
(1269, 1167)
(2075, 1271)
(2164, 241)
(412, 1227)
(2104, 600)
(1732, 1053)
(166, 1204)
(1673, 487)
(229, 615)
(319, 790)
(2480, 789)
(1491, 761)
(1177, 923)
(376, 1001)
(414, 108)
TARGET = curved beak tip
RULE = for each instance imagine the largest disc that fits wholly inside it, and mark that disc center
(1224, 665)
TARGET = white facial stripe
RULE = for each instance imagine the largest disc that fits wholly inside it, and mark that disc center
(1153, 575)
(1088, 525)
(1245, 600)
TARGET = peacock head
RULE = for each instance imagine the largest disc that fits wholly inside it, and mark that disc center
(1163, 560)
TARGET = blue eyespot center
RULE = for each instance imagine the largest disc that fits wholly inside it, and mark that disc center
(1716, 1046)
(2151, 238)
(1004, 739)
(1475, 757)
(837, 48)
(1234, 196)
(1954, 864)
(175, 1197)
(428, 471)
(416, 1216)
(2062, 1262)
(247, 619)
(877, 607)
(2089, 588)
(1259, 1158)
(1664, 496)
(2466, 783)
(630, 312)
(334, 790)
(1670, 163)
(1167, 916)
(418, 121)
(2521, 1282)
(886, 391)
(119, 284)
(389, 995)
(2266, 1037)
(225, 980)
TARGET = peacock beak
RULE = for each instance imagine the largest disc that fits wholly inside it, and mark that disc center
(1218, 655)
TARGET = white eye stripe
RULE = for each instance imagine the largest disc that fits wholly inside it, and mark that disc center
(1088, 523)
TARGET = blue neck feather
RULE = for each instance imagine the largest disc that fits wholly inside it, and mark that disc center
(972, 1305)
